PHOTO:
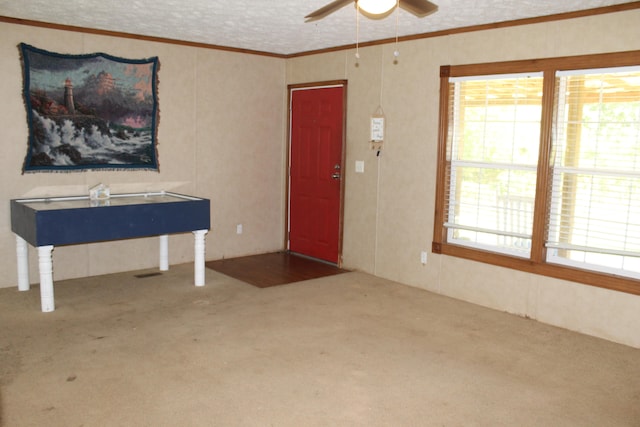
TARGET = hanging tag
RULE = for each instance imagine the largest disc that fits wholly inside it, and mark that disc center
(377, 129)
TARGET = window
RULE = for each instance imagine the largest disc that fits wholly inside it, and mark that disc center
(595, 201)
(539, 167)
(493, 152)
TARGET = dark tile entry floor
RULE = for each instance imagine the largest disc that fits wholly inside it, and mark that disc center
(273, 269)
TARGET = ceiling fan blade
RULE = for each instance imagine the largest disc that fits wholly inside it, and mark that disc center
(327, 10)
(419, 8)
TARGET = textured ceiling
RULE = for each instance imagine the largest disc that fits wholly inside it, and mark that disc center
(275, 26)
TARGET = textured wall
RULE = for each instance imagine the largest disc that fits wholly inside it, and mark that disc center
(389, 208)
(221, 136)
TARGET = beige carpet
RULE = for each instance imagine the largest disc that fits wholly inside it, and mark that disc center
(345, 350)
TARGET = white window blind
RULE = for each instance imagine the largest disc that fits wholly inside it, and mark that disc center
(492, 155)
(594, 221)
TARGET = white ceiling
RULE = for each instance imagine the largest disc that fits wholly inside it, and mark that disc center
(275, 26)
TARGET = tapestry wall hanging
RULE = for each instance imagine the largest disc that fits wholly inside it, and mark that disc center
(90, 111)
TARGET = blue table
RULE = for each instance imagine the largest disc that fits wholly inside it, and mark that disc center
(48, 222)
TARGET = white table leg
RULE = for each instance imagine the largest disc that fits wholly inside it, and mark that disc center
(46, 278)
(199, 257)
(164, 252)
(22, 251)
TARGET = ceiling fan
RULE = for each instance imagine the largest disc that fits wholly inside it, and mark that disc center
(419, 8)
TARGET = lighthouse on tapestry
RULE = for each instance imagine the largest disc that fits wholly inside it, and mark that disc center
(68, 96)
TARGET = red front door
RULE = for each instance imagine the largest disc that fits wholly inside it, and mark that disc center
(316, 172)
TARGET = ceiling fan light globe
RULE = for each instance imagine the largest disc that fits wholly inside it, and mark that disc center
(376, 7)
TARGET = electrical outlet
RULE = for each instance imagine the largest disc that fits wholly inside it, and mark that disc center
(239, 229)
(423, 257)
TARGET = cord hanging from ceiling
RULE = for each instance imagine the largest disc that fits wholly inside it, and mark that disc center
(396, 52)
(357, 32)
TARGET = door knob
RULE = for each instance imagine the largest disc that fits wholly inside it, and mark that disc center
(335, 175)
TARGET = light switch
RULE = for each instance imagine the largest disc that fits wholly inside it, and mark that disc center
(360, 166)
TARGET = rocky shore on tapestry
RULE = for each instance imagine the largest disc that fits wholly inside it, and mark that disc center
(89, 111)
